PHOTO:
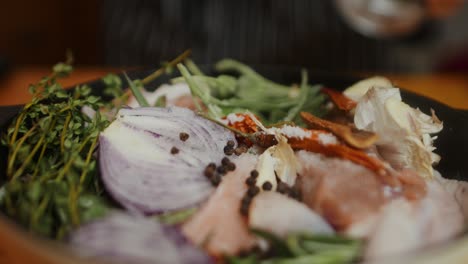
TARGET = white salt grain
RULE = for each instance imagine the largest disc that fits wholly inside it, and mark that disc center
(327, 139)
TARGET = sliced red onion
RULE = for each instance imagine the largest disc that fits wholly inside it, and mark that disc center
(138, 168)
(124, 238)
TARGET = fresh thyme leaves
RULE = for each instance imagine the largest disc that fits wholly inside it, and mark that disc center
(302, 248)
(271, 101)
(113, 85)
(51, 171)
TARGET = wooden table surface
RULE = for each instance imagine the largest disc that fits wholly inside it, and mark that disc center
(451, 89)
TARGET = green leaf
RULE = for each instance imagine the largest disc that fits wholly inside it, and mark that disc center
(34, 192)
(62, 69)
(113, 85)
(92, 99)
(61, 94)
(92, 207)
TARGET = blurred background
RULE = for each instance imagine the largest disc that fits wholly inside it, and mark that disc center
(327, 35)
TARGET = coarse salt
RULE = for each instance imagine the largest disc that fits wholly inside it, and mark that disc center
(291, 131)
(231, 119)
(327, 139)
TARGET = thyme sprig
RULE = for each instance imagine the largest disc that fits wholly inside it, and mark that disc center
(52, 183)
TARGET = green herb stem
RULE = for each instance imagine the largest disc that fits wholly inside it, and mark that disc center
(136, 92)
(161, 70)
(294, 111)
(88, 159)
(39, 212)
(64, 132)
(12, 158)
(28, 158)
(41, 155)
(72, 204)
(193, 68)
(194, 89)
(19, 119)
(68, 164)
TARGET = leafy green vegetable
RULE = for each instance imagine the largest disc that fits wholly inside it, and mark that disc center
(250, 91)
(52, 183)
(302, 248)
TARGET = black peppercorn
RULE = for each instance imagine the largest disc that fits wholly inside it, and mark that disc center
(231, 166)
(183, 136)
(250, 181)
(239, 150)
(246, 199)
(253, 190)
(225, 161)
(282, 188)
(174, 150)
(267, 186)
(244, 209)
(228, 150)
(295, 193)
(230, 143)
(209, 172)
(254, 174)
(215, 180)
(221, 170)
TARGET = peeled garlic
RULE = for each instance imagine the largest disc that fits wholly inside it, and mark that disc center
(359, 89)
(266, 168)
(277, 161)
(404, 132)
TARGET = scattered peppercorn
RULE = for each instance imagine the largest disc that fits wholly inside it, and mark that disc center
(221, 170)
(228, 150)
(239, 150)
(246, 199)
(282, 188)
(250, 181)
(225, 161)
(174, 150)
(244, 209)
(254, 174)
(295, 193)
(230, 143)
(231, 166)
(253, 190)
(209, 172)
(183, 136)
(267, 186)
(215, 180)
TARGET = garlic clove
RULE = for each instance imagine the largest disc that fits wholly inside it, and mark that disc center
(359, 89)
